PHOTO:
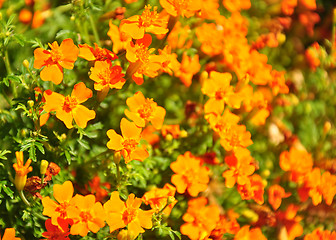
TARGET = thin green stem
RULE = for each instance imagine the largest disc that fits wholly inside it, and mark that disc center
(5, 96)
(118, 173)
(94, 29)
(7, 65)
(24, 199)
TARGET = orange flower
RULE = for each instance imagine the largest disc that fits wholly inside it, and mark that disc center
(275, 195)
(169, 62)
(210, 45)
(96, 188)
(235, 138)
(87, 215)
(158, 198)
(185, 8)
(200, 219)
(173, 130)
(321, 235)
(120, 39)
(236, 5)
(136, 26)
(241, 166)
(68, 108)
(227, 224)
(21, 171)
(245, 234)
(290, 222)
(55, 60)
(9, 233)
(189, 67)
(253, 189)
(287, 6)
(121, 214)
(189, 174)
(150, 134)
(107, 76)
(128, 142)
(219, 90)
(142, 62)
(298, 162)
(59, 232)
(309, 4)
(63, 194)
(278, 83)
(95, 54)
(25, 16)
(144, 110)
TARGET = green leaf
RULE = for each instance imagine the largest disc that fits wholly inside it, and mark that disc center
(40, 147)
(8, 191)
(3, 153)
(20, 39)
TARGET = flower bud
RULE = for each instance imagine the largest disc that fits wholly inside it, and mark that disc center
(184, 134)
(117, 157)
(25, 63)
(30, 103)
(43, 167)
(326, 127)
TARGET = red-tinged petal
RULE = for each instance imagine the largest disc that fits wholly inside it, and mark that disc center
(54, 101)
(41, 56)
(179, 182)
(138, 78)
(82, 115)
(129, 129)
(52, 73)
(63, 193)
(116, 140)
(145, 40)
(66, 117)
(139, 154)
(85, 52)
(81, 92)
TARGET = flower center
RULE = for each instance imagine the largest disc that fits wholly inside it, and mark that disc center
(129, 215)
(69, 103)
(130, 144)
(146, 109)
(148, 18)
(85, 216)
(56, 55)
(142, 52)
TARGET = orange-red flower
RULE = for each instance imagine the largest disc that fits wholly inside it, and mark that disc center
(144, 110)
(128, 142)
(241, 166)
(53, 61)
(107, 76)
(149, 21)
(21, 171)
(185, 8)
(275, 195)
(63, 195)
(142, 62)
(189, 174)
(188, 68)
(321, 235)
(95, 54)
(9, 233)
(200, 219)
(68, 108)
(158, 198)
(121, 214)
(249, 234)
(120, 39)
(290, 222)
(57, 232)
(87, 215)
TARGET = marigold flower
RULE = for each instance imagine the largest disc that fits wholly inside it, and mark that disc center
(185, 8)
(63, 194)
(321, 235)
(287, 6)
(136, 26)
(87, 215)
(236, 137)
(9, 233)
(107, 76)
(249, 234)
(290, 221)
(188, 68)
(237, 6)
(200, 219)
(96, 188)
(59, 232)
(142, 62)
(210, 45)
(158, 198)
(128, 142)
(275, 195)
(144, 110)
(189, 174)
(241, 166)
(173, 130)
(120, 39)
(68, 108)
(227, 224)
(53, 61)
(121, 214)
(252, 189)
(169, 62)
(95, 54)
(21, 171)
